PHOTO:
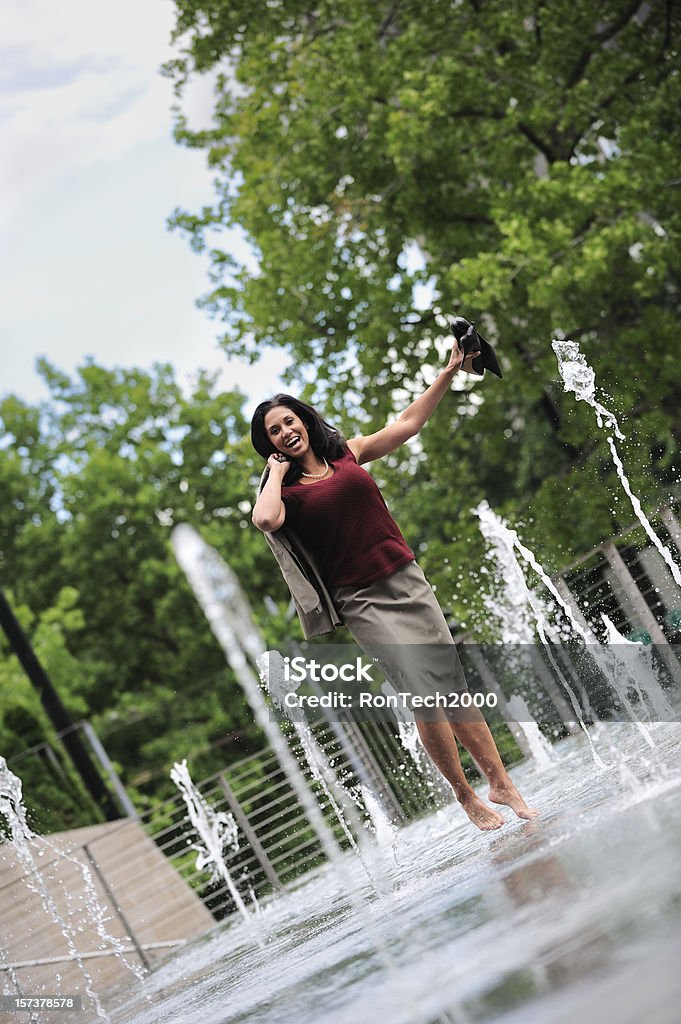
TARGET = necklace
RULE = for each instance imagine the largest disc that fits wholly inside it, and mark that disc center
(316, 476)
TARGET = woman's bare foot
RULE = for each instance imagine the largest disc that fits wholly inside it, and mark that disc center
(480, 814)
(506, 793)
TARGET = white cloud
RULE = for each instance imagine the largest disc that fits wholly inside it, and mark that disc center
(77, 28)
(81, 87)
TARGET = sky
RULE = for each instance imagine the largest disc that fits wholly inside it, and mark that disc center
(89, 174)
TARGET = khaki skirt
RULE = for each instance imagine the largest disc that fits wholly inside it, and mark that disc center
(398, 622)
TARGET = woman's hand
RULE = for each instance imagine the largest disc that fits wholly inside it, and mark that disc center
(374, 446)
(278, 463)
(457, 360)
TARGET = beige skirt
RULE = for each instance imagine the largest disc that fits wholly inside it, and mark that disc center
(398, 622)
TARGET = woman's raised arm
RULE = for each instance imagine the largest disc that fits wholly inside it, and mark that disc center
(408, 423)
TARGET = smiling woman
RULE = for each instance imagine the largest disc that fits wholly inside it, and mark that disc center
(334, 501)
(298, 445)
(315, 496)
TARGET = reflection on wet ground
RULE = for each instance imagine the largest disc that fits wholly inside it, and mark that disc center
(574, 914)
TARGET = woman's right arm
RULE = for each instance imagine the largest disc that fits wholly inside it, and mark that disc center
(269, 512)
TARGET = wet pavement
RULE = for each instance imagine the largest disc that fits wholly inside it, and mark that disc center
(576, 914)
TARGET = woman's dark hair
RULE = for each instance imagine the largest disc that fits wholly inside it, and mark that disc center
(325, 440)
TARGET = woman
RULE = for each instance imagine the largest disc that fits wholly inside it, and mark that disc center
(315, 484)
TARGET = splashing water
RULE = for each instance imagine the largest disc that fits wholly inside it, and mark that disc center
(512, 615)
(7, 965)
(214, 584)
(386, 831)
(23, 840)
(503, 540)
(580, 379)
(408, 736)
(514, 609)
(541, 749)
(273, 678)
(636, 661)
(217, 829)
(603, 656)
(213, 581)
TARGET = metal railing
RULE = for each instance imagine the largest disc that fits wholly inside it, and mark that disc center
(636, 593)
(277, 841)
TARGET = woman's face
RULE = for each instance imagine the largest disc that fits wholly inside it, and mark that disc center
(286, 431)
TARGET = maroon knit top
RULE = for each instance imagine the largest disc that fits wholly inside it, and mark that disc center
(346, 524)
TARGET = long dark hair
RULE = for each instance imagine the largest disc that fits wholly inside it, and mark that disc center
(326, 442)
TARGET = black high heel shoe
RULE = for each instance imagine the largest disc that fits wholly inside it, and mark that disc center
(471, 342)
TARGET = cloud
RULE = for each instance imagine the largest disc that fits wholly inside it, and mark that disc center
(22, 70)
(74, 29)
(88, 177)
(80, 86)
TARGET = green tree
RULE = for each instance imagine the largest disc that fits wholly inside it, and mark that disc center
(520, 160)
(96, 477)
(55, 793)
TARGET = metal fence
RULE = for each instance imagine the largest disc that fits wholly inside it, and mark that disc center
(277, 842)
(628, 580)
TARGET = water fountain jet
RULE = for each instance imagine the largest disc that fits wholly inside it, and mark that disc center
(579, 378)
(217, 829)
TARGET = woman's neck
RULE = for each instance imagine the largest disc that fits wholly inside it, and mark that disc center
(311, 463)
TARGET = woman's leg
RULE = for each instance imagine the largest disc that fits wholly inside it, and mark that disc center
(400, 611)
(475, 736)
(440, 744)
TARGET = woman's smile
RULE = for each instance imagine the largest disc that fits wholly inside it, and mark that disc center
(293, 443)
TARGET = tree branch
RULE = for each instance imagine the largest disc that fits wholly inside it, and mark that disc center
(667, 26)
(495, 115)
(537, 23)
(609, 32)
(538, 143)
(387, 22)
(601, 37)
(603, 105)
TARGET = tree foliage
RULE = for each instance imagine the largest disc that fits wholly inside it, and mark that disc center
(95, 479)
(517, 163)
(388, 162)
